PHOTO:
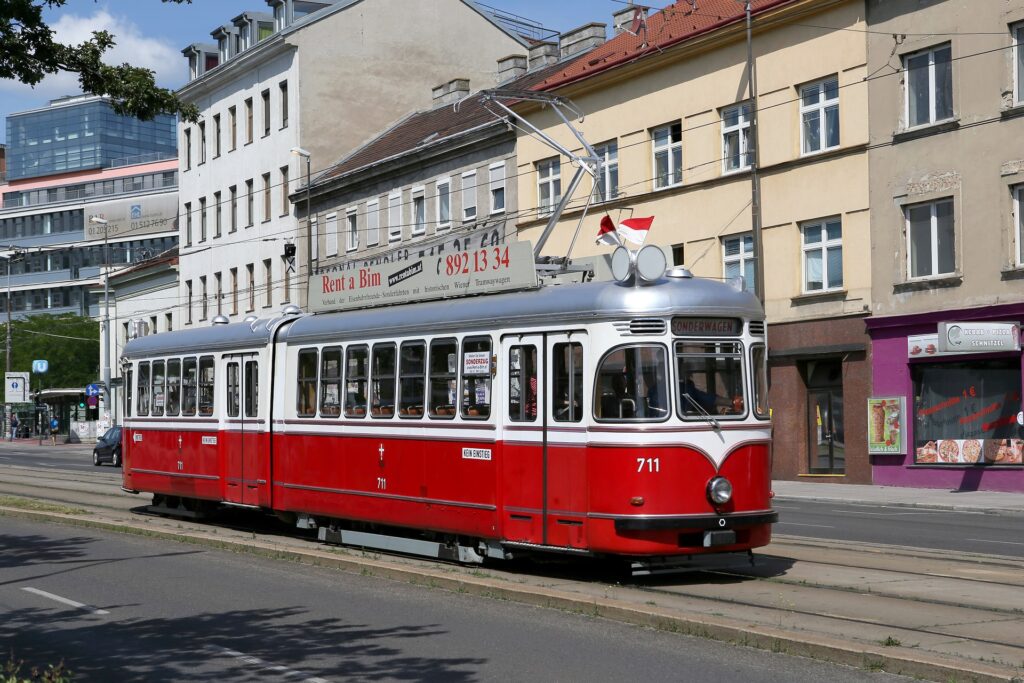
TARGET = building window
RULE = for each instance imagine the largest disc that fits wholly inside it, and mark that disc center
(736, 138)
(216, 214)
(1018, 219)
(202, 219)
(250, 272)
(549, 185)
(394, 217)
(352, 241)
(216, 135)
(220, 291)
(266, 197)
(233, 192)
(232, 128)
(930, 241)
(286, 278)
(606, 186)
(234, 291)
(249, 203)
(168, 324)
(284, 191)
(468, 196)
(929, 80)
(188, 148)
(331, 237)
(268, 282)
(314, 231)
(668, 155)
(204, 303)
(496, 185)
(202, 142)
(419, 212)
(373, 223)
(188, 302)
(823, 255)
(738, 259)
(444, 205)
(248, 120)
(266, 112)
(188, 224)
(284, 104)
(1018, 63)
(678, 254)
(819, 115)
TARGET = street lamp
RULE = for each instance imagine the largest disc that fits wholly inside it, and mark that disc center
(108, 404)
(299, 152)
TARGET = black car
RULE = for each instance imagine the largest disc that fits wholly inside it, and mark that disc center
(108, 448)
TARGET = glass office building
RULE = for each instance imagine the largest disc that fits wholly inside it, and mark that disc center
(83, 132)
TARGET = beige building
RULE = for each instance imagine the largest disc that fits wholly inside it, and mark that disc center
(947, 183)
(668, 111)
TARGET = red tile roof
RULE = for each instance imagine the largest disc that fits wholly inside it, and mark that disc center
(675, 24)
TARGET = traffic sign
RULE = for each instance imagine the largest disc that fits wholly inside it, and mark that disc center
(91, 401)
(40, 366)
(92, 390)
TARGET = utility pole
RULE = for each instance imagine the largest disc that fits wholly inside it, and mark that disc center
(108, 404)
(299, 152)
(11, 258)
(755, 179)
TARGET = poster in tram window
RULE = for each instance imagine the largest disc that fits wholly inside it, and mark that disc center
(966, 413)
(886, 432)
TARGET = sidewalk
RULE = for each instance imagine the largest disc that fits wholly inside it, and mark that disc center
(60, 447)
(866, 494)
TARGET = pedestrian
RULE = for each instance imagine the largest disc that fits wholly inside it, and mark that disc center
(54, 426)
(14, 425)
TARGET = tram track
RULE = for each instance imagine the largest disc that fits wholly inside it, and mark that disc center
(956, 608)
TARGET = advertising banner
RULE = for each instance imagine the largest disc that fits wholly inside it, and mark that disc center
(490, 269)
(886, 420)
(133, 217)
(978, 337)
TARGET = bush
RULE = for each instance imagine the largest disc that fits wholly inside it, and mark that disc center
(11, 673)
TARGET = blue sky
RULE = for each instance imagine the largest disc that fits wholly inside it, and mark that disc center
(151, 33)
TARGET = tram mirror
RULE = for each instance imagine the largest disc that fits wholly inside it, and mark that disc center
(622, 264)
(650, 263)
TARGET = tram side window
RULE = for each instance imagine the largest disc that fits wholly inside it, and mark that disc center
(306, 377)
(567, 382)
(631, 385)
(206, 377)
(444, 354)
(189, 385)
(759, 369)
(476, 378)
(173, 386)
(412, 370)
(356, 371)
(128, 393)
(522, 383)
(383, 371)
(330, 382)
(143, 388)
(252, 388)
(158, 387)
(233, 390)
(710, 379)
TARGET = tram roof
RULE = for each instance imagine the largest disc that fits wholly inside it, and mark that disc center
(241, 335)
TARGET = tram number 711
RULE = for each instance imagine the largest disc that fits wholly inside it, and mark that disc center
(648, 464)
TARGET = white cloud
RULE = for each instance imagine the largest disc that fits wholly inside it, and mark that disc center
(131, 46)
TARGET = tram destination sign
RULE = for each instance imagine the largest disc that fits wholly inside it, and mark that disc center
(706, 327)
(971, 337)
(486, 270)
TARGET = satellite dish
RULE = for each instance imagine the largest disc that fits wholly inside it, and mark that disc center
(622, 264)
(650, 263)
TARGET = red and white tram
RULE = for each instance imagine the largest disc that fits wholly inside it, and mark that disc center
(599, 418)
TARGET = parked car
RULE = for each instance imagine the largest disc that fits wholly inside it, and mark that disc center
(108, 448)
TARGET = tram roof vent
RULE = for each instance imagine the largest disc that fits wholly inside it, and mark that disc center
(290, 310)
(756, 327)
(644, 326)
(679, 272)
(220, 320)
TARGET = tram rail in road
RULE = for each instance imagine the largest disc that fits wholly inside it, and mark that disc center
(917, 611)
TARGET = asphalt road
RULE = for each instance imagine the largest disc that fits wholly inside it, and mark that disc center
(28, 453)
(127, 608)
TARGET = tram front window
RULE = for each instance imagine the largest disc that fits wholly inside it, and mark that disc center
(710, 376)
(631, 385)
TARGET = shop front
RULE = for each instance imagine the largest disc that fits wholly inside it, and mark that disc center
(946, 398)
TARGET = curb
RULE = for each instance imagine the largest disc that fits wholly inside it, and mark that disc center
(946, 507)
(895, 660)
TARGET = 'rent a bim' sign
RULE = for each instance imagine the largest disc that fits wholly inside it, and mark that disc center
(487, 270)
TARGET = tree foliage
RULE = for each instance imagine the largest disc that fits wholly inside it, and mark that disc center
(57, 339)
(29, 53)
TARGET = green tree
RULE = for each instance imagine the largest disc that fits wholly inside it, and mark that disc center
(70, 343)
(29, 53)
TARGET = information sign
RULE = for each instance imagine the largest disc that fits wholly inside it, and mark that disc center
(40, 367)
(16, 387)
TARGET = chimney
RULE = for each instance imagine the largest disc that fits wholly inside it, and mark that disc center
(624, 17)
(581, 39)
(542, 54)
(452, 91)
(511, 67)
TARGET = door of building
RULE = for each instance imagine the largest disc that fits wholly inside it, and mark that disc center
(827, 440)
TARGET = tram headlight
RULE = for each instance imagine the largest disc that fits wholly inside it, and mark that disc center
(719, 491)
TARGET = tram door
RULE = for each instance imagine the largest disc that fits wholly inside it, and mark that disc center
(241, 434)
(543, 473)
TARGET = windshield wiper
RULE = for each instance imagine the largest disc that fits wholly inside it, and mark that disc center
(705, 414)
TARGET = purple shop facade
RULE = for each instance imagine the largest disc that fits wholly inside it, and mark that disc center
(904, 366)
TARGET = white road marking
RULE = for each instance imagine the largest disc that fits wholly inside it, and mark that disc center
(784, 507)
(65, 601)
(884, 514)
(985, 540)
(821, 526)
(267, 666)
(43, 464)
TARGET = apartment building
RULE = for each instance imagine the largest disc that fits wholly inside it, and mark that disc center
(668, 110)
(281, 97)
(947, 184)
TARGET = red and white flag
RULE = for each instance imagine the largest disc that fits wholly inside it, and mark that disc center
(607, 233)
(635, 229)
